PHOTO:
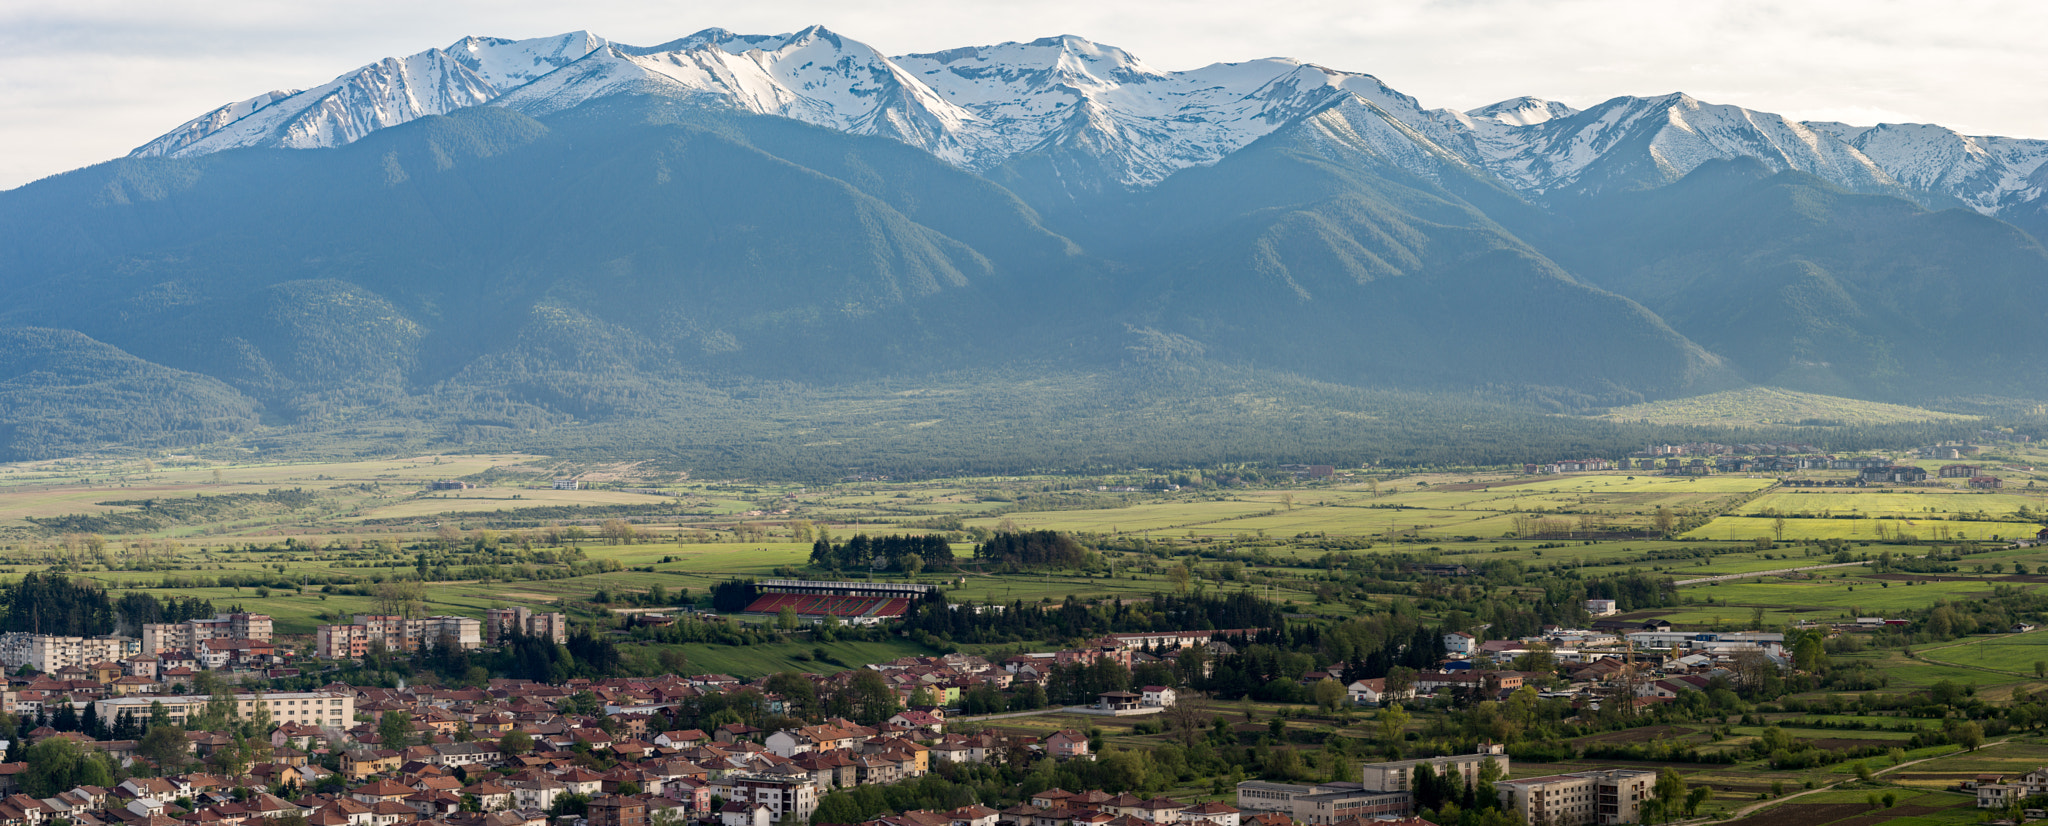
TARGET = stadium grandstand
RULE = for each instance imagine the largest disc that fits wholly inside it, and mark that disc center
(856, 603)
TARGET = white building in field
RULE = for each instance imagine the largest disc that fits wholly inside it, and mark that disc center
(1601, 607)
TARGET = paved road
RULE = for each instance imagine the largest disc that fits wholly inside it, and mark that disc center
(1766, 573)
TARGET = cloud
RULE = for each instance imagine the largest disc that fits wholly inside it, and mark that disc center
(85, 81)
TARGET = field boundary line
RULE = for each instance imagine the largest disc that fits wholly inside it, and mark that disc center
(1725, 577)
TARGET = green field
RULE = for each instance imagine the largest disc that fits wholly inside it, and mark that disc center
(746, 661)
(2012, 653)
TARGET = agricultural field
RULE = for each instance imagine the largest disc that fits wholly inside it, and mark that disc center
(2014, 654)
(304, 525)
(1906, 503)
(1857, 530)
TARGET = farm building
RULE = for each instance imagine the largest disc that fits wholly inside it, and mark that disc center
(857, 603)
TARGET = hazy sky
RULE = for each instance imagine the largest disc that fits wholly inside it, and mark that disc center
(87, 80)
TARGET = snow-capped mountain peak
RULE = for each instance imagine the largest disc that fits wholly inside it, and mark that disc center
(1523, 111)
(507, 64)
(470, 72)
(1104, 113)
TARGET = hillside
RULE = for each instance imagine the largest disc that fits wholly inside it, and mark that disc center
(619, 247)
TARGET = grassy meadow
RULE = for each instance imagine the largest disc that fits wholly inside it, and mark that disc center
(351, 522)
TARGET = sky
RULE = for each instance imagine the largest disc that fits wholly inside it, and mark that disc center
(84, 81)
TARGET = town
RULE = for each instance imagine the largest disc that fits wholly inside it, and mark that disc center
(154, 734)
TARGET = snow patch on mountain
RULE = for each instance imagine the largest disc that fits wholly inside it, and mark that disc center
(1987, 173)
(194, 130)
(507, 64)
(1651, 141)
(395, 90)
(1026, 96)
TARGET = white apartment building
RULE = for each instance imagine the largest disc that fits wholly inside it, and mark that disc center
(192, 633)
(1594, 798)
(788, 799)
(313, 708)
(48, 652)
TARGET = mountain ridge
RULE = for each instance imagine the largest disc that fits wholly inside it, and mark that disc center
(633, 243)
(985, 107)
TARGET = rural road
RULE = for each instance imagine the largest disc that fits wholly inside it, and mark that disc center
(1765, 573)
(1746, 810)
(1007, 714)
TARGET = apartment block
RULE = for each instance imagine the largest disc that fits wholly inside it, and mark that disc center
(312, 708)
(49, 652)
(789, 799)
(500, 623)
(1399, 775)
(394, 633)
(1599, 798)
(193, 633)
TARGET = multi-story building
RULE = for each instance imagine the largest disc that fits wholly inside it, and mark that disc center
(193, 633)
(1399, 775)
(49, 652)
(1331, 805)
(463, 632)
(788, 798)
(395, 633)
(617, 810)
(500, 623)
(1601, 798)
(1322, 804)
(312, 708)
(341, 642)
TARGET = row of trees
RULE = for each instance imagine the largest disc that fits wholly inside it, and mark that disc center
(53, 603)
(909, 554)
(1032, 549)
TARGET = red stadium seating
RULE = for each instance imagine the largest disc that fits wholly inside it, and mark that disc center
(818, 605)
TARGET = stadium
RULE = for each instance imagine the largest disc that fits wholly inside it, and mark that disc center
(855, 603)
